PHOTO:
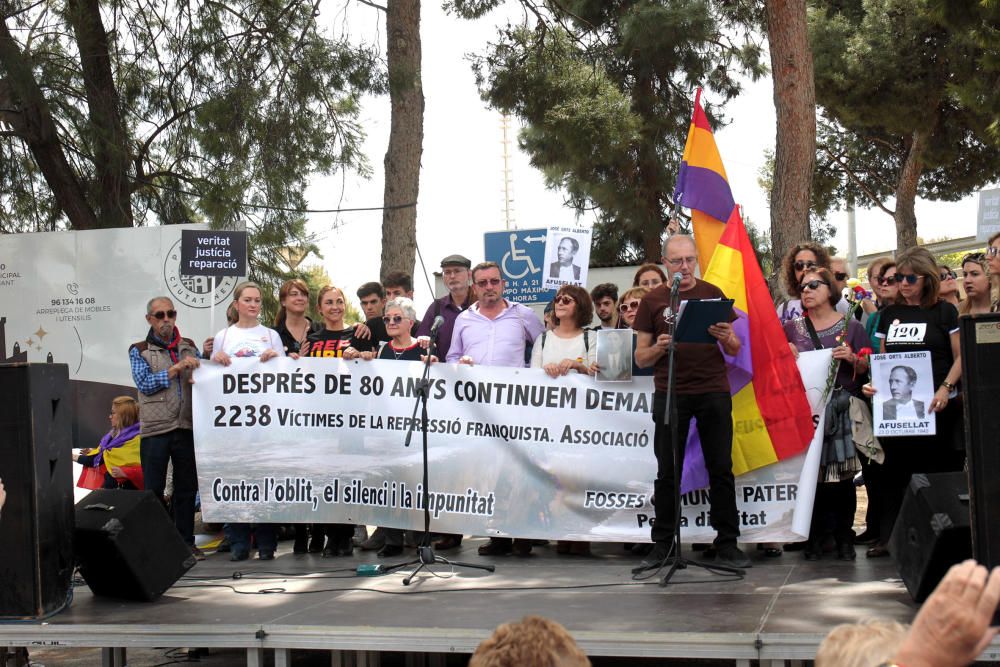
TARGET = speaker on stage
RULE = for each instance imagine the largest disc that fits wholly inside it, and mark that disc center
(127, 546)
(932, 530)
(36, 523)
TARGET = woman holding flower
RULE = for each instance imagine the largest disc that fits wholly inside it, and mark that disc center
(823, 327)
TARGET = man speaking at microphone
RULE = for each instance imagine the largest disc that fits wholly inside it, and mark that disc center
(701, 392)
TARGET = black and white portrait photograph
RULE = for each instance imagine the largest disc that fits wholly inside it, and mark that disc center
(567, 255)
(904, 386)
(614, 355)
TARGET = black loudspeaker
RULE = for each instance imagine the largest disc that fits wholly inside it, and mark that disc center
(36, 523)
(932, 530)
(127, 546)
(980, 338)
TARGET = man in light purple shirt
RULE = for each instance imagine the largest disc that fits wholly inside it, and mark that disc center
(494, 331)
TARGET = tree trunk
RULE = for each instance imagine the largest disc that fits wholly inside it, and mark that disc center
(33, 122)
(795, 146)
(111, 144)
(406, 134)
(906, 191)
(648, 186)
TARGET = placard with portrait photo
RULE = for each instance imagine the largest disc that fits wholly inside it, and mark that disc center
(567, 256)
(614, 355)
(904, 385)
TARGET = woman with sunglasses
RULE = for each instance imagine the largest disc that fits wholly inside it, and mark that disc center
(399, 318)
(949, 286)
(332, 341)
(886, 292)
(882, 277)
(799, 259)
(247, 337)
(628, 306)
(822, 327)
(921, 321)
(980, 297)
(566, 349)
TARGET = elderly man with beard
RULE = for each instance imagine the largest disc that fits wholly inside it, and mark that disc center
(161, 368)
(701, 388)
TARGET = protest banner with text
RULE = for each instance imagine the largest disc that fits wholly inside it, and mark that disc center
(512, 452)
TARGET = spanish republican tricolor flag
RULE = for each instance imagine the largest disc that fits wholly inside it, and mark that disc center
(702, 185)
(769, 400)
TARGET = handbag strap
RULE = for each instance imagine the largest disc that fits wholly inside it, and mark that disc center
(817, 343)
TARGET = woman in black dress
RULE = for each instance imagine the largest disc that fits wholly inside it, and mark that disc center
(920, 321)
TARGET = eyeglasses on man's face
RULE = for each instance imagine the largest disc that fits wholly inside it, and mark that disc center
(160, 314)
(840, 275)
(489, 282)
(679, 261)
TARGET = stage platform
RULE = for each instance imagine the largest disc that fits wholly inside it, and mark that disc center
(778, 612)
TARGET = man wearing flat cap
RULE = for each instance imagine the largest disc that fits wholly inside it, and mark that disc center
(455, 271)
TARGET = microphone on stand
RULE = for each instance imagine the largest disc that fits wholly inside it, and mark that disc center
(438, 323)
(675, 283)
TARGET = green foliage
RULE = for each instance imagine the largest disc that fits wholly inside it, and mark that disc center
(980, 21)
(605, 90)
(229, 108)
(885, 70)
(760, 239)
(820, 230)
(267, 265)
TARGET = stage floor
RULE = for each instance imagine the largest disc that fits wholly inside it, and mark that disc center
(780, 610)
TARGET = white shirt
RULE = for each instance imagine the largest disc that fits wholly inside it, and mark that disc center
(252, 342)
(556, 349)
(906, 411)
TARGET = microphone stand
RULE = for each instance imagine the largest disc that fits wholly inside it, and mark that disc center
(425, 552)
(675, 559)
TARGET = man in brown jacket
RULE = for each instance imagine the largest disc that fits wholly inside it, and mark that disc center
(161, 367)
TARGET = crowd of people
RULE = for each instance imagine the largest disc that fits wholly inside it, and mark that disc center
(153, 432)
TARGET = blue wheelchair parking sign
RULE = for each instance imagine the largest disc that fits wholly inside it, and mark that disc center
(520, 253)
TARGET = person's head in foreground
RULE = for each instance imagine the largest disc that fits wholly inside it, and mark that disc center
(863, 644)
(951, 629)
(531, 642)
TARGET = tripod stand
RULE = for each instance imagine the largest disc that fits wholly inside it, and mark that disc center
(674, 560)
(425, 552)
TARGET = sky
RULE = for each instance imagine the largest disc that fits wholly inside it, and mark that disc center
(461, 181)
